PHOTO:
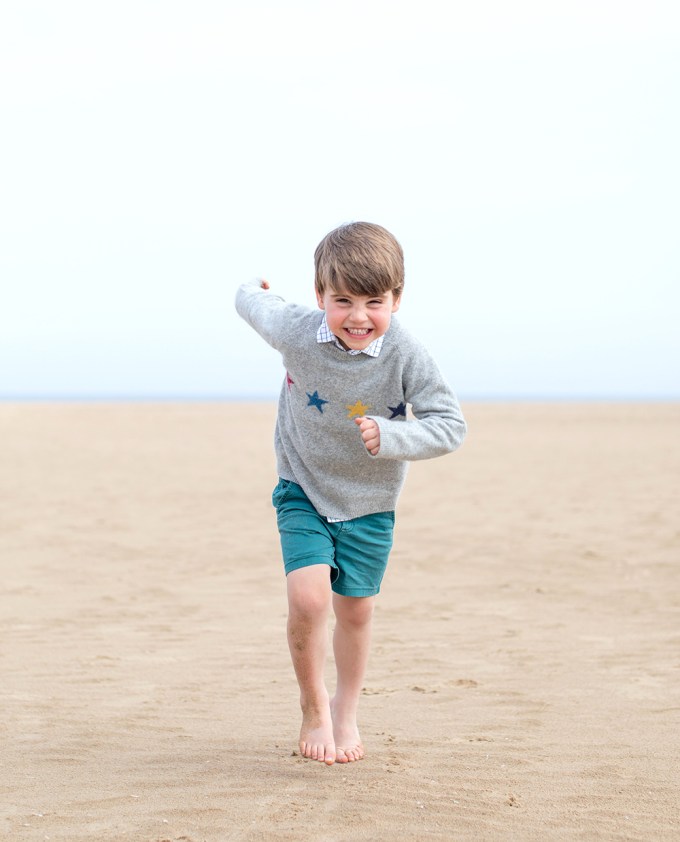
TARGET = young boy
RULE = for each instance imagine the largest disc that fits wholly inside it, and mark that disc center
(342, 443)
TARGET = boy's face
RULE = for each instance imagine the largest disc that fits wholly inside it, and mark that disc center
(357, 320)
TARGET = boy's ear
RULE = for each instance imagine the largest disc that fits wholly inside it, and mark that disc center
(396, 304)
(319, 299)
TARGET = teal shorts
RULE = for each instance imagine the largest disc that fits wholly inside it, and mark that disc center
(355, 550)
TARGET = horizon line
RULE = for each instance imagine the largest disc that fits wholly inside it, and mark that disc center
(113, 397)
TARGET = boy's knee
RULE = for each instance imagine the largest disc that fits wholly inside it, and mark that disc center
(309, 595)
(309, 605)
(354, 610)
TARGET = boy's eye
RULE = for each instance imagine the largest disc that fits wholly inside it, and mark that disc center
(374, 302)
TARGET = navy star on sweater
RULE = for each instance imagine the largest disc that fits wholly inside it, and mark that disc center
(315, 400)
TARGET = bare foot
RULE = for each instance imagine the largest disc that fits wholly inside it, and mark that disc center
(316, 737)
(348, 745)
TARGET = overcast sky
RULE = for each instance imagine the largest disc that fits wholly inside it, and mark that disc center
(154, 155)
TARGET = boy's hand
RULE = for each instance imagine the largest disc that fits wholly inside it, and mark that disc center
(263, 284)
(370, 433)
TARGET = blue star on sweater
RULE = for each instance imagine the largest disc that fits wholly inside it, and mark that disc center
(398, 410)
(315, 400)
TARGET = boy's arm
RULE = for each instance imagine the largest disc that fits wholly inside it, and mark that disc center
(438, 426)
(261, 309)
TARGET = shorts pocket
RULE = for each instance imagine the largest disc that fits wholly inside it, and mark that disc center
(282, 492)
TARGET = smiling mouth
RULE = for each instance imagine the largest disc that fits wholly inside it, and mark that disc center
(358, 332)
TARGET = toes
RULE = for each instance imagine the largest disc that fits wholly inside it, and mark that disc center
(327, 755)
(352, 754)
(317, 751)
(324, 755)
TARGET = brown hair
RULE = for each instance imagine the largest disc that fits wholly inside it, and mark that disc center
(359, 258)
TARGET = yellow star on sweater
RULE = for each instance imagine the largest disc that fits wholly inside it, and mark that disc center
(357, 410)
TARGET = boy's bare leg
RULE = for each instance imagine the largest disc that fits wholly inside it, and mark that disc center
(351, 644)
(309, 601)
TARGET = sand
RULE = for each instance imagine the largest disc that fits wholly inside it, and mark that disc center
(524, 682)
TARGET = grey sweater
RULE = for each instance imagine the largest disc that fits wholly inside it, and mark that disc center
(318, 445)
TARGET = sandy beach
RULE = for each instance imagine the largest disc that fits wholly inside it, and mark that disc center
(524, 682)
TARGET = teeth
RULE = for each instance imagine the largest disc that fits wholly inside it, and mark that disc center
(358, 332)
